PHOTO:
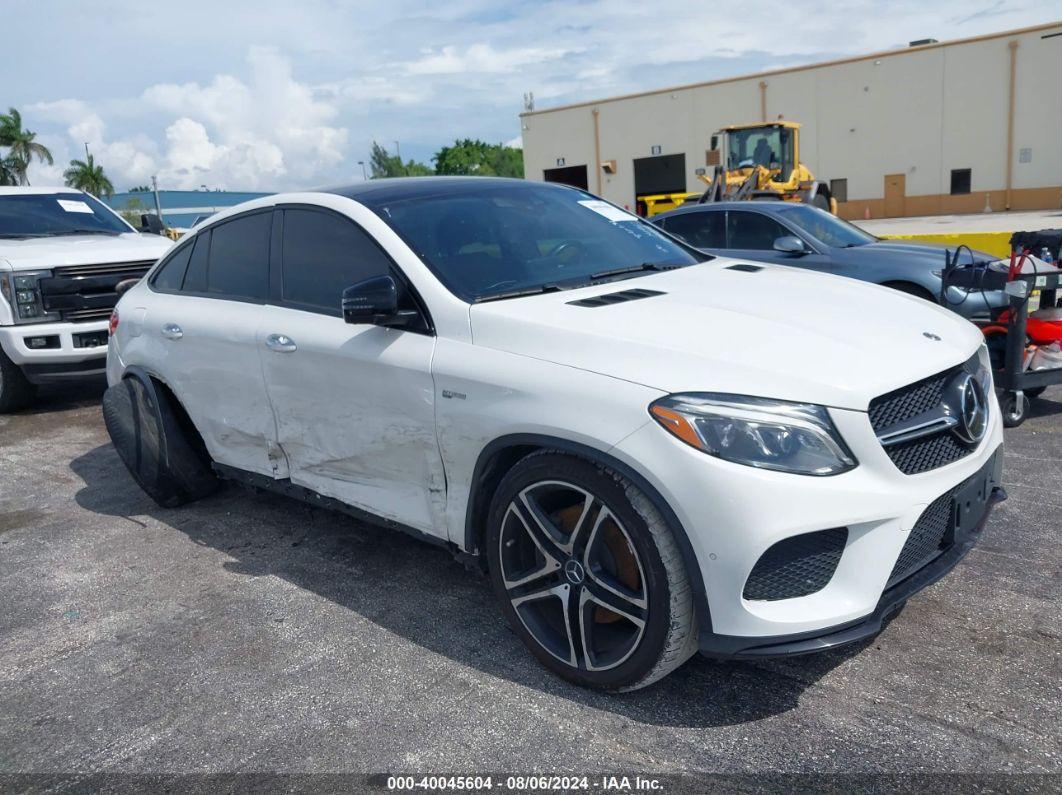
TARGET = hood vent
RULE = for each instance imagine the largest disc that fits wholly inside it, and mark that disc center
(615, 298)
(744, 267)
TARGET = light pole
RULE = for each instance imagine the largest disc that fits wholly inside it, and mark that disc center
(158, 204)
(364, 174)
(398, 152)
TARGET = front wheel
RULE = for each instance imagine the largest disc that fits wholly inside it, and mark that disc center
(589, 574)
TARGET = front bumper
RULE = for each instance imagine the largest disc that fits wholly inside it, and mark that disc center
(77, 350)
(891, 602)
(732, 514)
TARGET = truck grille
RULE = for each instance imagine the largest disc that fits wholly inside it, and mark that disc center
(82, 293)
(796, 566)
(927, 452)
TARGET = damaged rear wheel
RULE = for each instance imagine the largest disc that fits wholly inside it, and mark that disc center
(157, 443)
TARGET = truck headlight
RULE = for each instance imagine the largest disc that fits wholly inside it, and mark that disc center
(757, 432)
(23, 292)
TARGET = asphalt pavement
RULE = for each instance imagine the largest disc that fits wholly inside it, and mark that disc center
(253, 633)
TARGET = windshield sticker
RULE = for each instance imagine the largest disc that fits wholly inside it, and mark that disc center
(74, 206)
(607, 210)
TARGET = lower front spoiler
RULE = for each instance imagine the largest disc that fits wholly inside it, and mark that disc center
(891, 602)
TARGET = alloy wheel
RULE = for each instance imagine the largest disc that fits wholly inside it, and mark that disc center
(573, 575)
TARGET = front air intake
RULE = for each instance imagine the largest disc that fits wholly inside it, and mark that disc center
(615, 298)
(796, 566)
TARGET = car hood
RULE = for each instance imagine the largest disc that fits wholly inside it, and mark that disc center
(50, 252)
(778, 332)
(905, 251)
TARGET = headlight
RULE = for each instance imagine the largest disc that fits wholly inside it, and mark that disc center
(769, 434)
(22, 291)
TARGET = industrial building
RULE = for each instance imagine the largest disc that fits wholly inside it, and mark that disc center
(180, 208)
(938, 127)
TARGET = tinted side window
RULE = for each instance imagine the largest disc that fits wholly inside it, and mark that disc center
(239, 257)
(170, 275)
(703, 230)
(195, 278)
(323, 255)
(753, 230)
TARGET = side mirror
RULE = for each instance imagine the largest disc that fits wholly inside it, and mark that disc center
(790, 244)
(124, 286)
(149, 222)
(374, 301)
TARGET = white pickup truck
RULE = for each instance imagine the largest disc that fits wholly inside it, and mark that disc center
(62, 254)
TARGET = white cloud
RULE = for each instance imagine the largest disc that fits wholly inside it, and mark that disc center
(231, 133)
(481, 59)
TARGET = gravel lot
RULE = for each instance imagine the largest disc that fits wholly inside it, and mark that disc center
(253, 633)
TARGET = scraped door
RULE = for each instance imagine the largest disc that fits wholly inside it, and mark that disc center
(354, 404)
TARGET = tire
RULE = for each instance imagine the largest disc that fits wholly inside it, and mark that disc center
(597, 541)
(820, 201)
(157, 444)
(1014, 412)
(15, 391)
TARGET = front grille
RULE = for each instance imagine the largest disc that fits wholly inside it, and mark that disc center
(796, 566)
(929, 537)
(927, 452)
(80, 293)
(86, 315)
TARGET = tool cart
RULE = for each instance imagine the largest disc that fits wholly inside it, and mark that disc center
(1025, 338)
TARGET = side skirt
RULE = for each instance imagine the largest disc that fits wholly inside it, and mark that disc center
(288, 489)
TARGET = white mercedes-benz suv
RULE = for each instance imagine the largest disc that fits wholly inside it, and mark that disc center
(651, 451)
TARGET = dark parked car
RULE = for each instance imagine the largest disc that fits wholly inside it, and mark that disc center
(787, 233)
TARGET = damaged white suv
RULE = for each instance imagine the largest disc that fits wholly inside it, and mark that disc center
(652, 452)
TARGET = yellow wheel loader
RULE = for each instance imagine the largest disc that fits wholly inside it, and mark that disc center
(757, 162)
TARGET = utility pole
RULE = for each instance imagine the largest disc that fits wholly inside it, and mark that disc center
(364, 174)
(87, 155)
(398, 152)
(158, 204)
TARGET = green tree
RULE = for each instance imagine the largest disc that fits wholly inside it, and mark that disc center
(8, 171)
(139, 189)
(383, 164)
(132, 210)
(21, 148)
(87, 176)
(479, 158)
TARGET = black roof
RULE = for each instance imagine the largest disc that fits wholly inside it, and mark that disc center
(375, 192)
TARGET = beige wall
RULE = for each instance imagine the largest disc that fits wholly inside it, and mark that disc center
(920, 112)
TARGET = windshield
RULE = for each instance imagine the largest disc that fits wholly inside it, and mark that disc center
(826, 228)
(507, 239)
(56, 214)
(770, 147)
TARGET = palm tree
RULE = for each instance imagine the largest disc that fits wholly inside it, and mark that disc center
(22, 147)
(87, 176)
(8, 171)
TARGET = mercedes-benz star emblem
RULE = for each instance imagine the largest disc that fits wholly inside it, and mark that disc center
(972, 409)
(573, 570)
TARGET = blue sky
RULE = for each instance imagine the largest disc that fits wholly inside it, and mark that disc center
(269, 96)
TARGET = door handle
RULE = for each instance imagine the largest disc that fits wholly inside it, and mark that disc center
(281, 343)
(172, 331)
